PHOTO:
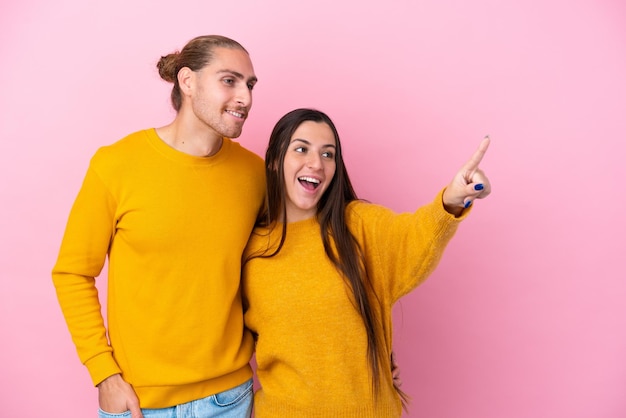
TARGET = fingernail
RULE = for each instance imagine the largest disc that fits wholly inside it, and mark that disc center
(479, 186)
(468, 204)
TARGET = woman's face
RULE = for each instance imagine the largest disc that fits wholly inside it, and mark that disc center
(309, 167)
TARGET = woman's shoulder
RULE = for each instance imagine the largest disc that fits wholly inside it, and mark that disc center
(258, 243)
(362, 209)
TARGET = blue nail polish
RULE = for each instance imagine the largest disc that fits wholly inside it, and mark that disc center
(468, 204)
(479, 186)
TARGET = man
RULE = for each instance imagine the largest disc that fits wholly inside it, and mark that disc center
(172, 208)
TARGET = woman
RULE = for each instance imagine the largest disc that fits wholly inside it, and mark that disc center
(323, 269)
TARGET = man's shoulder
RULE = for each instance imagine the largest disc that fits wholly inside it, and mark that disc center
(241, 150)
(249, 158)
(122, 151)
(130, 141)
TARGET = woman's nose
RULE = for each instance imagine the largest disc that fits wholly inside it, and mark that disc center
(314, 161)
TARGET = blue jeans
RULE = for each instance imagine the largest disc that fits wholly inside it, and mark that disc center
(232, 403)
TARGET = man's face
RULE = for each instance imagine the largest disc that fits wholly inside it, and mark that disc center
(221, 94)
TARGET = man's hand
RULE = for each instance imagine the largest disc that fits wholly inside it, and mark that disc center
(117, 396)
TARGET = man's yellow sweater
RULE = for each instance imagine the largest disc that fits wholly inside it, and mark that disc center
(174, 227)
(311, 350)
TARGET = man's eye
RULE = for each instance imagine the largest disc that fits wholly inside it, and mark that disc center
(229, 81)
(250, 86)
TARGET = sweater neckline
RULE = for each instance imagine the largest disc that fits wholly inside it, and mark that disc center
(294, 227)
(302, 223)
(303, 226)
(173, 154)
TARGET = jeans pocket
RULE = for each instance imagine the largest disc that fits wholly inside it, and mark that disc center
(234, 395)
(103, 414)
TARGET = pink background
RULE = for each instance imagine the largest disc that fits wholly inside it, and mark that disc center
(525, 316)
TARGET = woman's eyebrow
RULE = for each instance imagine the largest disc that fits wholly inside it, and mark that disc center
(309, 143)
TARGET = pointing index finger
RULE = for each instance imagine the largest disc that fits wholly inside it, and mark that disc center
(474, 162)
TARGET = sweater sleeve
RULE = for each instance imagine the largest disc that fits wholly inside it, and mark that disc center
(81, 258)
(402, 250)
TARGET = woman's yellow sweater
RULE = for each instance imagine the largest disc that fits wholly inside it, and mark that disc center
(174, 227)
(311, 349)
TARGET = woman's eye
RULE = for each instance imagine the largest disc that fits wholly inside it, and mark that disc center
(300, 149)
(328, 154)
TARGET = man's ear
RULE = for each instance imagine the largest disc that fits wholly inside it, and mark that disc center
(186, 78)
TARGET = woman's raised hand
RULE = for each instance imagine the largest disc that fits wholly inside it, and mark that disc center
(468, 184)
